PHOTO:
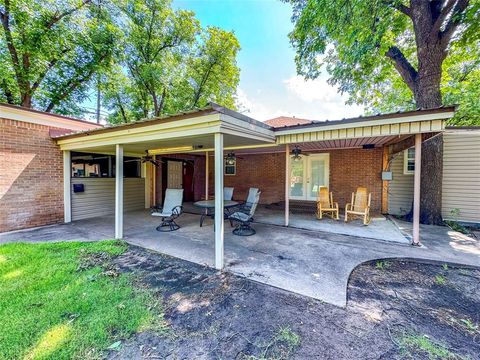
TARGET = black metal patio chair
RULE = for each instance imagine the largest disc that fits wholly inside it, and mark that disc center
(244, 219)
(171, 210)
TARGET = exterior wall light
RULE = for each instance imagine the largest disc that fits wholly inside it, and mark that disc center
(230, 159)
(297, 152)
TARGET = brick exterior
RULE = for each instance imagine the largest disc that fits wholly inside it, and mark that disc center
(263, 171)
(198, 175)
(31, 176)
(349, 168)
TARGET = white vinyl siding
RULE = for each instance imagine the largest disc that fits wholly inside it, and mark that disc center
(461, 175)
(98, 199)
(400, 188)
(461, 178)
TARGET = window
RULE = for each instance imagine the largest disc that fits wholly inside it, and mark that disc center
(409, 161)
(230, 166)
(98, 165)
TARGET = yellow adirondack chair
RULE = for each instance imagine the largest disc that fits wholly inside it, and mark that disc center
(360, 206)
(326, 205)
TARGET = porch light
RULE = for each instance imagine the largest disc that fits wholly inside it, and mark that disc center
(230, 159)
(297, 152)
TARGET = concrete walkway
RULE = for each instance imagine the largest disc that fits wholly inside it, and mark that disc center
(312, 263)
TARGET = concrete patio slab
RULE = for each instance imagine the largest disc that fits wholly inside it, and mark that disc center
(380, 228)
(312, 263)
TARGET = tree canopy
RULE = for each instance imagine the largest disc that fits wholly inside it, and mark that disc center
(146, 58)
(394, 54)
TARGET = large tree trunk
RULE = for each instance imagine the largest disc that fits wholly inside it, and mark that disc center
(431, 183)
(427, 96)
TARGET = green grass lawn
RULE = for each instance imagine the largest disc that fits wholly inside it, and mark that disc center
(62, 301)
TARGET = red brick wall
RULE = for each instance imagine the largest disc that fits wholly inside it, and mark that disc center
(263, 171)
(349, 169)
(198, 175)
(31, 176)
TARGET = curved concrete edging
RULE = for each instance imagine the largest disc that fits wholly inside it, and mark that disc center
(418, 260)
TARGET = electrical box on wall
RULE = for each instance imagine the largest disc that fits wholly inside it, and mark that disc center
(387, 175)
(78, 188)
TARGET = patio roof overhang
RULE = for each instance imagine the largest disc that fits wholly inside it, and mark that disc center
(340, 133)
(190, 131)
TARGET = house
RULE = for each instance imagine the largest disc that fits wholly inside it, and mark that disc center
(191, 146)
(96, 171)
(31, 166)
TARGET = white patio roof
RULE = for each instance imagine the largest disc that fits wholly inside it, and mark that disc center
(189, 131)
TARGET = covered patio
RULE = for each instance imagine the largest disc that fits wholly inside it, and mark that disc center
(346, 153)
(312, 263)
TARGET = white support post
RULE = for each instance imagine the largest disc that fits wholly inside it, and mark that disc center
(416, 189)
(206, 175)
(119, 191)
(154, 183)
(287, 184)
(219, 221)
(67, 191)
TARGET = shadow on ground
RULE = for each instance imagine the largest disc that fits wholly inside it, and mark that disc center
(395, 309)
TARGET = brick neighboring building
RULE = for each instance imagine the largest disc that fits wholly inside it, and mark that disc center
(31, 167)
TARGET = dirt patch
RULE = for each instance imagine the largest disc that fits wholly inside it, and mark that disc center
(395, 310)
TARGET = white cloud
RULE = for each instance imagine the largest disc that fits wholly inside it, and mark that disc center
(295, 96)
(253, 107)
(311, 90)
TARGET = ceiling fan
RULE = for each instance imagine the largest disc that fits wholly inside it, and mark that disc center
(231, 157)
(146, 159)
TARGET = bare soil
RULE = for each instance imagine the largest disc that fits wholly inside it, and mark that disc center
(393, 308)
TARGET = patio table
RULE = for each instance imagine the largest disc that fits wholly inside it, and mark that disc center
(208, 205)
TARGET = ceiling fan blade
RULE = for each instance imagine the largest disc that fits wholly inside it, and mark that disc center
(131, 160)
(154, 162)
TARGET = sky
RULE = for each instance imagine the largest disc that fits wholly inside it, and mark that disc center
(269, 85)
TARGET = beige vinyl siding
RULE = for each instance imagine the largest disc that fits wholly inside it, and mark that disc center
(400, 188)
(99, 196)
(461, 174)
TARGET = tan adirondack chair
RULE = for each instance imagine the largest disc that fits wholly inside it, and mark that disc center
(326, 205)
(360, 206)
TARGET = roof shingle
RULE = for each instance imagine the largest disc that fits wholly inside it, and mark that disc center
(282, 121)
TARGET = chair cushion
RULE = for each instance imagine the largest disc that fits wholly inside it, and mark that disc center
(239, 216)
(162, 214)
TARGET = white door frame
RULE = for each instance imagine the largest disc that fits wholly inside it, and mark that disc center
(307, 161)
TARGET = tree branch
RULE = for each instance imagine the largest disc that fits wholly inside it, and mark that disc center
(50, 65)
(400, 7)
(5, 18)
(71, 85)
(198, 92)
(403, 66)
(7, 92)
(55, 19)
(445, 11)
(453, 22)
(404, 9)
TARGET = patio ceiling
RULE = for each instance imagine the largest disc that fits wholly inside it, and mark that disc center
(378, 141)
